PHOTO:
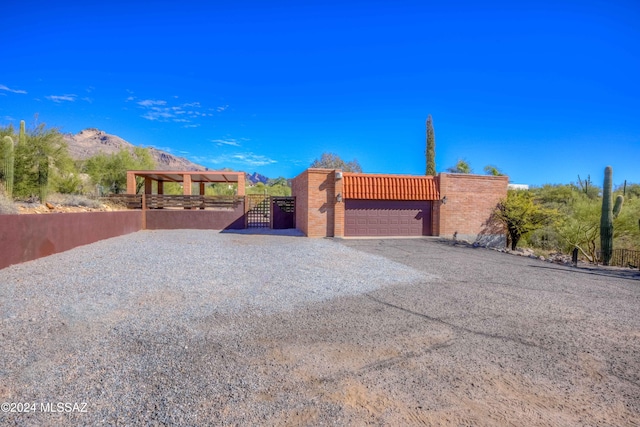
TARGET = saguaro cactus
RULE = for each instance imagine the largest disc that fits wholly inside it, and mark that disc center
(609, 213)
(22, 136)
(7, 167)
(43, 179)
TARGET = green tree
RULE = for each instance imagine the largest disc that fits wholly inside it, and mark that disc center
(493, 171)
(580, 226)
(520, 215)
(110, 170)
(41, 158)
(333, 161)
(431, 148)
(461, 167)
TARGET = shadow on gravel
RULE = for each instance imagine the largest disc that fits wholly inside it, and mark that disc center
(267, 232)
(596, 271)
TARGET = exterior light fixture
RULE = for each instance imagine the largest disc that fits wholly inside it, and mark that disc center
(338, 175)
(339, 198)
(444, 200)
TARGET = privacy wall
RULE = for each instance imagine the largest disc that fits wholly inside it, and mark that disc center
(28, 237)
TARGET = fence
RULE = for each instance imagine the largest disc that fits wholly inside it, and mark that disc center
(159, 201)
(625, 258)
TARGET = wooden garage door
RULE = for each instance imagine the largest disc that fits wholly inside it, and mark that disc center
(387, 218)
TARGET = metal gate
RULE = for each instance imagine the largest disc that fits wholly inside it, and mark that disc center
(258, 211)
(270, 212)
(283, 212)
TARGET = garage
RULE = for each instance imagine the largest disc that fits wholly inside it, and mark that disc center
(387, 218)
(388, 205)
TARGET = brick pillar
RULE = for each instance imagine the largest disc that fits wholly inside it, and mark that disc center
(131, 183)
(241, 184)
(338, 227)
(148, 185)
(186, 185)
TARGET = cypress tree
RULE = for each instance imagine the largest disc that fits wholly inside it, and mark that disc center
(431, 147)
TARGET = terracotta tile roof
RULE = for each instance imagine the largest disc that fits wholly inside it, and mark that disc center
(389, 187)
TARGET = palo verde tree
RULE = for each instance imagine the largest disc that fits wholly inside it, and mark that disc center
(430, 151)
(520, 214)
(333, 161)
(40, 156)
(110, 170)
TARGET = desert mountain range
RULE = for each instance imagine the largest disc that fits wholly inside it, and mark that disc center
(91, 141)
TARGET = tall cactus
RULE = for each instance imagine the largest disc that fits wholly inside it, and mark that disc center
(609, 212)
(43, 178)
(7, 167)
(22, 136)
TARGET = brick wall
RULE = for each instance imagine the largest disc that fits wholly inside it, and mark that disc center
(300, 189)
(315, 192)
(471, 199)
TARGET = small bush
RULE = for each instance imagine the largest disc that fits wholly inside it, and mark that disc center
(6, 205)
(74, 200)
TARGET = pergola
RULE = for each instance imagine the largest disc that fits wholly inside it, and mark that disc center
(186, 178)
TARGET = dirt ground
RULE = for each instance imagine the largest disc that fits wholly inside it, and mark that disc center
(480, 338)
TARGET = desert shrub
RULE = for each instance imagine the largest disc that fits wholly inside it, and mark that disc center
(74, 200)
(6, 205)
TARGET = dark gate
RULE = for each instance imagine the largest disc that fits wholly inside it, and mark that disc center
(283, 210)
(258, 211)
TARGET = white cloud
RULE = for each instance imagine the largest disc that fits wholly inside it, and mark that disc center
(229, 141)
(247, 159)
(152, 102)
(165, 111)
(222, 108)
(252, 159)
(131, 98)
(61, 98)
(157, 115)
(3, 87)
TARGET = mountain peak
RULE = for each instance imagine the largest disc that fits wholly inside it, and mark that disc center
(91, 141)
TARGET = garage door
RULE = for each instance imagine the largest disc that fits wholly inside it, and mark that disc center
(387, 218)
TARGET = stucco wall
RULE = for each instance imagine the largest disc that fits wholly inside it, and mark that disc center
(28, 237)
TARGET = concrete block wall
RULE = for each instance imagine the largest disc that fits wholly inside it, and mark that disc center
(471, 200)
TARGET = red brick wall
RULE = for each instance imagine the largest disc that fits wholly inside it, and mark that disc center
(315, 194)
(471, 199)
(300, 189)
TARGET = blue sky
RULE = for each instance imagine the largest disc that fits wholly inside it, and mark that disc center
(546, 91)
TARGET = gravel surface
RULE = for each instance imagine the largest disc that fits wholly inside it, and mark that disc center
(195, 327)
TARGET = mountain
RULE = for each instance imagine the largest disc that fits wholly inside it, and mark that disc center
(89, 142)
(255, 178)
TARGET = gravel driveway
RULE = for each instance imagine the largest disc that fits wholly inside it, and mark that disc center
(194, 327)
